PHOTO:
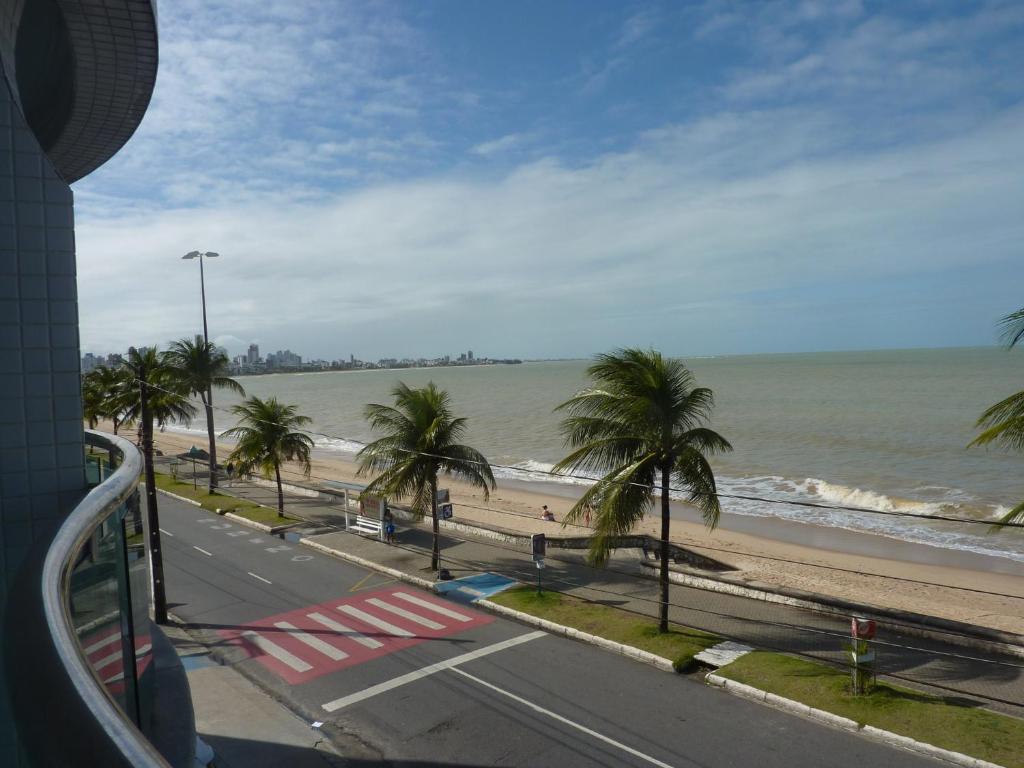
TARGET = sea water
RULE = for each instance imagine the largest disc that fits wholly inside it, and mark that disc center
(883, 430)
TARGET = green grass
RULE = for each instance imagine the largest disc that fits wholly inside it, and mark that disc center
(679, 644)
(949, 723)
(214, 501)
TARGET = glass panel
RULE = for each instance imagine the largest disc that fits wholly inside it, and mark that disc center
(138, 589)
(98, 609)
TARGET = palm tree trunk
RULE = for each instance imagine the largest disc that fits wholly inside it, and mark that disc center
(280, 492)
(213, 443)
(663, 573)
(156, 557)
(435, 556)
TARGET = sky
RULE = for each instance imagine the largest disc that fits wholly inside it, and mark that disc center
(555, 179)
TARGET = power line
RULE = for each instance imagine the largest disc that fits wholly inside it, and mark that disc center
(653, 487)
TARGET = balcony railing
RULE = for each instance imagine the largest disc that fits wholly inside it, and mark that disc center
(82, 669)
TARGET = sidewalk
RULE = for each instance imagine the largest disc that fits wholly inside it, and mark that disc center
(927, 663)
(244, 726)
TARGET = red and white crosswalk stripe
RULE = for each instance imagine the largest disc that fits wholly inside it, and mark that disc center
(309, 642)
(104, 652)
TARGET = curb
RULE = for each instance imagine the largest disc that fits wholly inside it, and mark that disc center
(258, 526)
(844, 723)
(193, 502)
(574, 634)
(549, 626)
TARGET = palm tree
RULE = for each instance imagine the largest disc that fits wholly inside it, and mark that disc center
(158, 394)
(1003, 423)
(202, 367)
(104, 392)
(420, 441)
(267, 437)
(641, 423)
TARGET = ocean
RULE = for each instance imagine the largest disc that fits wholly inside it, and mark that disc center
(883, 430)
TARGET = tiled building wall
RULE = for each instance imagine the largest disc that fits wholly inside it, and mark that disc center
(42, 473)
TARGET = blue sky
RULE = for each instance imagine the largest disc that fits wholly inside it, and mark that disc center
(544, 179)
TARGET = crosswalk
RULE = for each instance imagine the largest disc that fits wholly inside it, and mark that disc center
(304, 644)
(104, 651)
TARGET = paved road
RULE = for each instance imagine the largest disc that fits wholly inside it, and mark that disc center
(932, 664)
(445, 684)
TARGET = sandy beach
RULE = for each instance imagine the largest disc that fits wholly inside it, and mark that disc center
(886, 579)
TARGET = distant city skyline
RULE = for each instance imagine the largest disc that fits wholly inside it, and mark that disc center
(557, 179)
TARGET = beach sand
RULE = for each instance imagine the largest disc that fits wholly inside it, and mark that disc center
(886, 579)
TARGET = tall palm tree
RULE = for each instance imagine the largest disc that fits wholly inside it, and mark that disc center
(202, 368)
(420, 441)
(158, 394)
(1003, 423)
(642, 424)
(267, 437)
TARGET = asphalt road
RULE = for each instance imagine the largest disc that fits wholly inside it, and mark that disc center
(410, 677)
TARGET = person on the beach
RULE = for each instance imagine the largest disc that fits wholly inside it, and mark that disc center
(587, 510)
(547, 514)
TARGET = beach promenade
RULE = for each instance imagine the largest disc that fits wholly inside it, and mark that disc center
(936, 664)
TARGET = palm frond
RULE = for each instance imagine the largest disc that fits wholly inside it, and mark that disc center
(1004, 423)
(1012, 328)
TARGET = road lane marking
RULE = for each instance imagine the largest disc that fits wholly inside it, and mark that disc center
(256, 540)
(367, 618)
(208, 554)
(432, 607)
(565, 720)
(419, 674)
(271, 648)
(236, 534)
(328, 650)
(266, 581)
(106, 661)
(359, 637)
(101, 643)
(413, 617)
(278, 548)
(166, 533)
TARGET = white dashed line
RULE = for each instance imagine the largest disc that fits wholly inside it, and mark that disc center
(166, 533)
(208, 554)
(265, 581)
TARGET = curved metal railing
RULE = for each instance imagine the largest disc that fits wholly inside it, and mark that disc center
(116, 732)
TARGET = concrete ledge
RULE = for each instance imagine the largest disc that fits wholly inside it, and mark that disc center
(558, 629)
(393, 572)
(955, 632)
(193, 502)
(827, 718)
(259, 526)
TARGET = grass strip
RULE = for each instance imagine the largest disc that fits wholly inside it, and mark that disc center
(952, 723)
(214, 501)
(680, 644)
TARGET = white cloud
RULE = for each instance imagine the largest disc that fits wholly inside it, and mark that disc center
(499, 145)
(650, 235)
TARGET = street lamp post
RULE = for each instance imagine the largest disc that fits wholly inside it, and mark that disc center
(206, 340)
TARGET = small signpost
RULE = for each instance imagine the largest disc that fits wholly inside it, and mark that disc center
(862, 631)
(444, 511)
(539, 546)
